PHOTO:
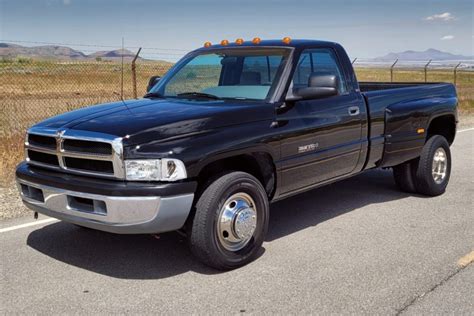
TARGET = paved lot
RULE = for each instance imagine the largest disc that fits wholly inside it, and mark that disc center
(357, 246)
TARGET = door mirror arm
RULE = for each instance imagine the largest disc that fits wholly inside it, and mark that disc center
(285, 106)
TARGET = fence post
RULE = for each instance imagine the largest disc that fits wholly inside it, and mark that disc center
(426, 69)
(391, 70)
(134, 73)
(355, 59)
(121, 74)
(455, 72)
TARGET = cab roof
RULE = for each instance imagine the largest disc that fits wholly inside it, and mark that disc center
(295, 43)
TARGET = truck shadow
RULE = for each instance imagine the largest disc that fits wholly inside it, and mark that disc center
(316, 206)
(145, 257)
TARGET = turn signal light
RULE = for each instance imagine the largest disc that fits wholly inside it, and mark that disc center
(224, 42)
(239, 41)
(207, 44)
(286, 40)
(420, 130)
(256, 40)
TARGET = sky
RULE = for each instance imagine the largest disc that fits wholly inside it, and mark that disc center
(366, 28)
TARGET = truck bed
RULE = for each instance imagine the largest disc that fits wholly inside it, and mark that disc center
(399, 114)
(366, 86)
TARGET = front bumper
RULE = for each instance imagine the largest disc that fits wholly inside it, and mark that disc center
(122, 211)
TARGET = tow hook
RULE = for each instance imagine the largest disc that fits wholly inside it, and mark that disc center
(35, 215)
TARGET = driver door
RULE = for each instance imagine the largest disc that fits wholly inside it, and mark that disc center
(321, 138)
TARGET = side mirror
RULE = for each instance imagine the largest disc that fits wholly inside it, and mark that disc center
(152, 82)
(319, 86)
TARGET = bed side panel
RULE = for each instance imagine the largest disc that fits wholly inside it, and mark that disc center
(407, 114)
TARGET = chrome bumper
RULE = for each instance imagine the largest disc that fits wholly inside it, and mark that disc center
(122, 215)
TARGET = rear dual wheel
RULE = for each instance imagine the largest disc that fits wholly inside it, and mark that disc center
(230, 221)
(430, 173)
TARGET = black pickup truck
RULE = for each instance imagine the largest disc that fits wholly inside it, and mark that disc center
(229, 129)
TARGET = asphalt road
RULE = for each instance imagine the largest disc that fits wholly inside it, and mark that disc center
(357, 246)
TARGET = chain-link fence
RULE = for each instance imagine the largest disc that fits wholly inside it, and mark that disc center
(32, 90)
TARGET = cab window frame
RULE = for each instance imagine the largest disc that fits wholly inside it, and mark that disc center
(340, 67)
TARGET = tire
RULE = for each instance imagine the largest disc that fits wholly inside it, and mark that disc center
(404, 176)
(424, 178)
(242, 196)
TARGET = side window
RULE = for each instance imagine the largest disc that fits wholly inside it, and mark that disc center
(319, 61)
(263, 67)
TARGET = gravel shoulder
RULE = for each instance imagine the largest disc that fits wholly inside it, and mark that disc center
(11, 206)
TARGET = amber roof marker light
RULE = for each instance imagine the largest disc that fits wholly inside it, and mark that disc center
(286, 40)
(224, 42)
(256, 40)
(239, 41)
(207, 44)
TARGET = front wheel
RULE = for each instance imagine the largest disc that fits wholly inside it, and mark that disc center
(230, 221)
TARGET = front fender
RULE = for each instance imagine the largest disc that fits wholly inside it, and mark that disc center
(200, 149)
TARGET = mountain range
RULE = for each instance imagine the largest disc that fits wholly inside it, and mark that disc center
(59, 52)
(428, 54)
(64, 52)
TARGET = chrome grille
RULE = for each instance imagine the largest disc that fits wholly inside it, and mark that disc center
(74, 151)
(42, 141)
(85, 146)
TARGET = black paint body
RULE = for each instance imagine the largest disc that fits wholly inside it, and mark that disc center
(200, 132)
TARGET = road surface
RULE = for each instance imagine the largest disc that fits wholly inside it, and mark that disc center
(356, 246)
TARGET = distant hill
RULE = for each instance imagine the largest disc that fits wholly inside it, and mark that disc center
(59, 52)
(47, 51)
(422, 56)
(111, 54)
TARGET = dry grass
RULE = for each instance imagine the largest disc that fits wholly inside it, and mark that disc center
(30, 92)
(464, 82)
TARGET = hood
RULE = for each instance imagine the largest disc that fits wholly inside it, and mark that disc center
(144, 120)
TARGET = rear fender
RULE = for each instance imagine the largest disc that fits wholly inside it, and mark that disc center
(406, 126)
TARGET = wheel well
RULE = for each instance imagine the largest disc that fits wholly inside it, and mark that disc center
(445, 126)
(260, 165)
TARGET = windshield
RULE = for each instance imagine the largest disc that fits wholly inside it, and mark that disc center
(245, 73)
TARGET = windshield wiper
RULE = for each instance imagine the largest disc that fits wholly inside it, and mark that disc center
(198, 95)
(153, 95)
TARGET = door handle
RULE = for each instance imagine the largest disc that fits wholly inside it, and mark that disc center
(353, 110)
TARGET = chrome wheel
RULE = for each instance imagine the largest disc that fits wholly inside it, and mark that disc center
(440, 165)
(237, 221)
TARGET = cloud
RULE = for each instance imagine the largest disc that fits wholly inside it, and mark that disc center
(446, 16)
(66, 2)
(447, 37)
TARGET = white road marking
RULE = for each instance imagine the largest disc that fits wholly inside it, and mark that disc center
(466, 260)
(42, 221)
(50, 220)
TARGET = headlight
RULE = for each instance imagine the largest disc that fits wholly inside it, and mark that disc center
(155, 170)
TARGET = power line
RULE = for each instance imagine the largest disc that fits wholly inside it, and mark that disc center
(90, 45)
